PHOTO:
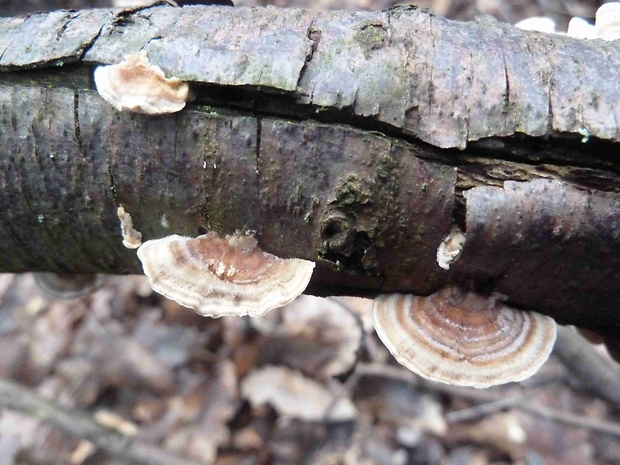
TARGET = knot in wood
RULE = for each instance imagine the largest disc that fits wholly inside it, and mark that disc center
(338, 233)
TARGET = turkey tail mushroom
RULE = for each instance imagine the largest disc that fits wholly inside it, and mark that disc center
(462, 338)
(137, 86)
(222, 276)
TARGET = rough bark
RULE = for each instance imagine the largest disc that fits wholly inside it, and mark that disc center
(442, 81)
(288, 147)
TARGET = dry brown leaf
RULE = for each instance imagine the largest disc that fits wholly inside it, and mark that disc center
(6, 281)
(172, 344)
(413, 413)
(555, 443)
(82, 451)
(372, 445)
(212, 429)
(81, 380)
(318, 336)
(504, 432)
(466, 455)
(15, 361)
(120, 359)
(206, 409)
(114, 421)
(52, 334)
(293, 395)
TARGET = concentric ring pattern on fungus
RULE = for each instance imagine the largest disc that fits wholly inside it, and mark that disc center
(463, 338)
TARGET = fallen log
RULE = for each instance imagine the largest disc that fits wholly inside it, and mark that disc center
(356, 140)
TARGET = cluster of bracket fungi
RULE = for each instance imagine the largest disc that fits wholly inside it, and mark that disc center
(453, 336)
(606, 25)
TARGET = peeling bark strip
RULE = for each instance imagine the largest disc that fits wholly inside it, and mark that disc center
(442, 81)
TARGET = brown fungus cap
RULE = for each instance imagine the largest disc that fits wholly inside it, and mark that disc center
(138, 86)
(463, 338)
(222, 276)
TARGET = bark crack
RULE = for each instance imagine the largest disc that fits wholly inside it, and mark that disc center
(429, 64)
(111, 178)
(258, 148)
(259, 127)
(69, 17)
(314, 35)
(472, 73)
(40, 218)
(76, 121)
(87, 45)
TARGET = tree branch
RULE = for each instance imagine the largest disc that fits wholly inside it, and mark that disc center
(370, 208)
(445, 82)
(595, 374)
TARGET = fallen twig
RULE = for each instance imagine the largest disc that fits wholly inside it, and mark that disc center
(493, 401)
(580, 421)
(76, 423)
(595, 374)
(488, 408)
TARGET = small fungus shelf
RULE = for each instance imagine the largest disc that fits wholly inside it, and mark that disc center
(136, 85)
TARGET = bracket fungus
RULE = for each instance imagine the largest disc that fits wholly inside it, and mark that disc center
(138, 86)
(606, 25)
(132, 239)
(450, 248)
(222, 276)
(463, 338)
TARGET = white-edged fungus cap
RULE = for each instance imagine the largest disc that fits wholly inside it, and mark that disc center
(450, 248)
(607, 24)
(463, 338)
(537, 23)
(138, 86)
(579, 28)
(132, 239)
(606, 27)
(222, 276)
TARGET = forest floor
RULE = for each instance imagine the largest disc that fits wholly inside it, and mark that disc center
(307, 384)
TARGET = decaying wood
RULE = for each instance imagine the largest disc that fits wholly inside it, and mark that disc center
(288, 146)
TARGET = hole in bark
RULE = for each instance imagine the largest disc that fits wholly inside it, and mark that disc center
(337, 233)
(334, 228)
